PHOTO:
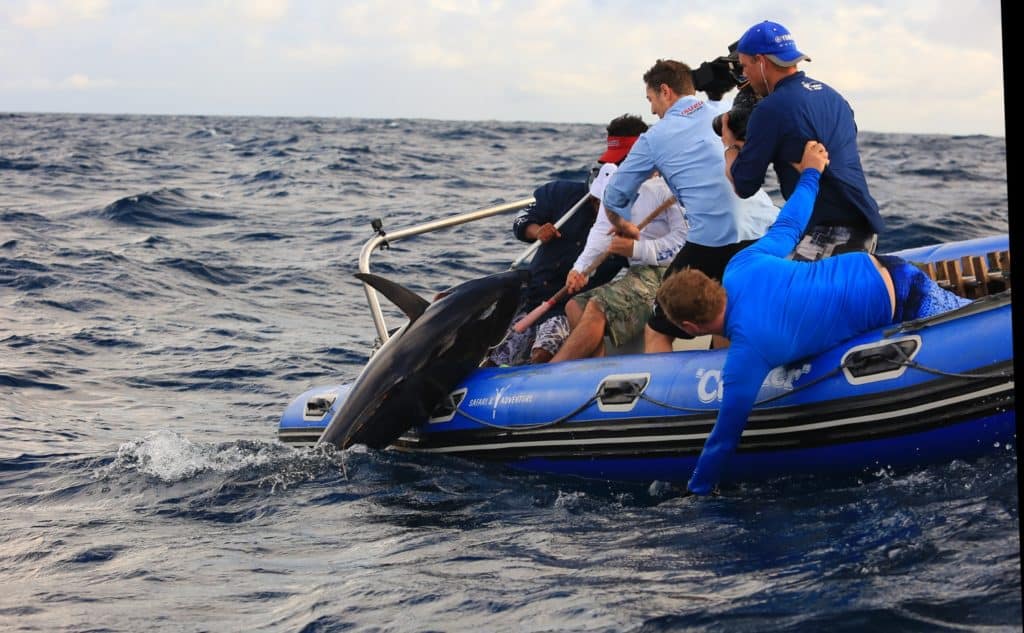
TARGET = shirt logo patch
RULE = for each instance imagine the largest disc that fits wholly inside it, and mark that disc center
(811, 85)
(693, 107)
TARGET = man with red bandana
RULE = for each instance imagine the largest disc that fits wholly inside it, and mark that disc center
(558, 252)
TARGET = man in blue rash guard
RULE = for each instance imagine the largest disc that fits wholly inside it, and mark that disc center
(794, 108)
(775, 310)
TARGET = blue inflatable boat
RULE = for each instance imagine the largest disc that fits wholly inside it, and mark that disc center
(910, 394)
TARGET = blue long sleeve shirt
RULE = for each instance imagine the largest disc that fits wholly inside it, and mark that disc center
(684, 148)
(800, 109)
(779, 311)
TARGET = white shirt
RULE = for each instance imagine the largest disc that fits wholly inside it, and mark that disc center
(659, 241)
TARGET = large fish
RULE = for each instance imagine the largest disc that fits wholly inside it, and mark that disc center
(424, 360)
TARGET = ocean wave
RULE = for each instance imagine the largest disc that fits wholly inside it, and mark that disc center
(163, 207)
(15, 341)
(344, 164)
(217, 275)
(153, 241)
(84, 304)
(261, 236)
(30, 378)
(169, 457)
(48, 344)
(26, 275)
(205, 379)
(105, 337)
(577, 175)
(23, 218)
(935, 173)
(18, 164)
(237, 316)
(291, 140)
(209, 132)
(267, 175)
(246, 471)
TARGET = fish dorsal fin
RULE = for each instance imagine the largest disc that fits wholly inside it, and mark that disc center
(407, 301)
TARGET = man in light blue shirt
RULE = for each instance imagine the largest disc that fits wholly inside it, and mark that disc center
(684, 148)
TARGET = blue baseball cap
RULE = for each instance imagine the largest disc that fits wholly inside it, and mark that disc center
(772, 40)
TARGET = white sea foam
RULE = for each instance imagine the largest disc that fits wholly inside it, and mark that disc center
(171, 457)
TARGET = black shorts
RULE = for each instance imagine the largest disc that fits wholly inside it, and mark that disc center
(710, 260)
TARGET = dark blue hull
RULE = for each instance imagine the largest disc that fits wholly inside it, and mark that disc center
(966, 440)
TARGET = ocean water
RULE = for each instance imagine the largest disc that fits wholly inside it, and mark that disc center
(169, 284)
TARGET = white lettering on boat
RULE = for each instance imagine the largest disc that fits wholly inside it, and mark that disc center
(709, 381)
(709, 385)
(782, 378)
(501, 399)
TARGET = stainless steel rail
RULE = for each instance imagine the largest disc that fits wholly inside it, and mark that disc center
(427, 227)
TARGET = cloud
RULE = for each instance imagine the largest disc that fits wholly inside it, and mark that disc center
(45, 14)
(81, 81)
(37, 15)
(262, 10)
(220, 16)
(927, 66)
(75, 82)
(323, 54)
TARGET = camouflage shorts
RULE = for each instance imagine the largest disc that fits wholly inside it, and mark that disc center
(627, 302)
(516, 348)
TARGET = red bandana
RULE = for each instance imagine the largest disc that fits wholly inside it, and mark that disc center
(618, 147)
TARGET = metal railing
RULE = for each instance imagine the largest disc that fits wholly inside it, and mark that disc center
(427, 227)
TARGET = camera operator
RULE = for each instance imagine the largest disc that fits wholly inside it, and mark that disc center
(792, 109)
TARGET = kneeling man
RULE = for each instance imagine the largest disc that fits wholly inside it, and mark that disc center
(622, 307)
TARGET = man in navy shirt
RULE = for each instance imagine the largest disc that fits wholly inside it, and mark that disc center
(793, 109)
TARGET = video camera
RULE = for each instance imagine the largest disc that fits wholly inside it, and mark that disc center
(721, 75)
(739, 114)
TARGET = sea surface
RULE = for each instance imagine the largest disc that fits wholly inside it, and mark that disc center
(169, 283)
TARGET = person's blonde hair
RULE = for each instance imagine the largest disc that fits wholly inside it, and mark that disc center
(690, 295)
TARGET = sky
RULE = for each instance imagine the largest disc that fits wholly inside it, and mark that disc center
(915, 66)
